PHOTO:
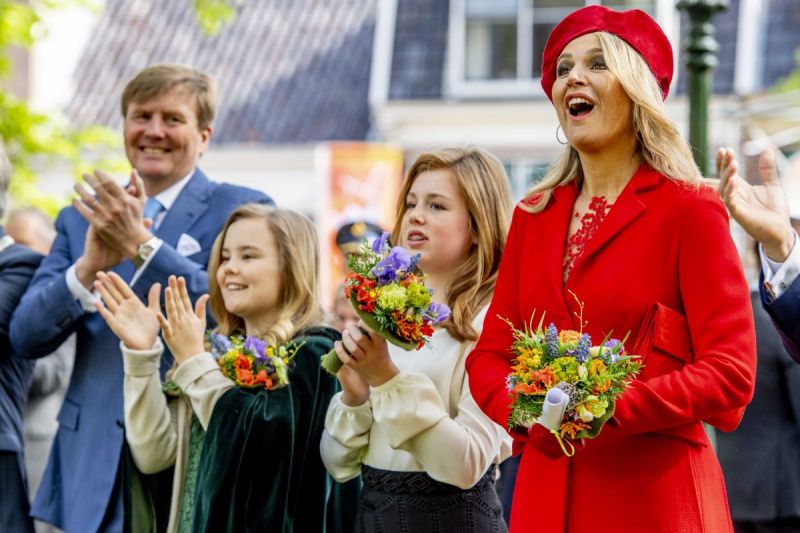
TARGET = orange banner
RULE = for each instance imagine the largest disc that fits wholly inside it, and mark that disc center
(361, 183)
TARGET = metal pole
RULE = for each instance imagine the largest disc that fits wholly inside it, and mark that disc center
(701, 48)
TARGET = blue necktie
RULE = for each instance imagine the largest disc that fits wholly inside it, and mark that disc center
(152, 209)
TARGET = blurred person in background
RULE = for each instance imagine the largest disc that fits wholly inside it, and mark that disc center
(763, 212)
(17, 266)
(32, 227)
(761, 458)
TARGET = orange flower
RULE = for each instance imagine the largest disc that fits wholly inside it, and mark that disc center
(570, 429)
(244, 376)
(242, 361)
(406, 329)
(602, 385)
(264, 379)
(409, 279)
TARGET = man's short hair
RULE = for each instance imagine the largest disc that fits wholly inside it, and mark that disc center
(158, 79)
(5, 179)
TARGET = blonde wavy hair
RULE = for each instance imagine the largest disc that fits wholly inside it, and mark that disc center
(484, 185)
(298, 258)
(659, 142)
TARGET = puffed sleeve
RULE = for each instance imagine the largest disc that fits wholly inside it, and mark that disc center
(150, 420)
(721, 378)
(490, 361)
(203, 383)
(346, 438)
(414, 418)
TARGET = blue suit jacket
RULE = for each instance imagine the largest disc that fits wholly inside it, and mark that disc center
(785, 313)
(81, 484)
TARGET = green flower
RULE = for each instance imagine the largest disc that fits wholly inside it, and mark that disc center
(565, 368)
(591, 408)
(418, 295)
(392, 297)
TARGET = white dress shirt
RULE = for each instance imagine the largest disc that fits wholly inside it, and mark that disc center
(779, 276)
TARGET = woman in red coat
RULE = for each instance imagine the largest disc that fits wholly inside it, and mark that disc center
(625, 223)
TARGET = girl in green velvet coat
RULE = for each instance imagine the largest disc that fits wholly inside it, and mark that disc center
(241, 454)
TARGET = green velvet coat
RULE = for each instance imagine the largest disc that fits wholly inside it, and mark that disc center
(260, 468)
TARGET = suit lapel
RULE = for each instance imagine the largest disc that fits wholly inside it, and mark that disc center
(190, 204)
(625, 210)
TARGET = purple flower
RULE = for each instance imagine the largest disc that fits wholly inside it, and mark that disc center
(381, 243)
(256, 346)
(398, 259)
(551, 341)
(612, 344)
(220, 344)
(582, 351)
(616, 349)
(437, 313)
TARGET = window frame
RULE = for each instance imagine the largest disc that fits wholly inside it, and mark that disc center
(458, 86)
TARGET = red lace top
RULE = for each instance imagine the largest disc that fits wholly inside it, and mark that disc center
(590, 221)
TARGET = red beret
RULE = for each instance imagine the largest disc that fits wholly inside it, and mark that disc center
(635, 27)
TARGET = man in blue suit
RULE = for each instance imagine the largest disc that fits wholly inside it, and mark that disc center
(764, 213)
(17, 265)
(163, 222)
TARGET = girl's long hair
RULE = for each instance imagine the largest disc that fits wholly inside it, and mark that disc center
(484, 185)
(298, 255)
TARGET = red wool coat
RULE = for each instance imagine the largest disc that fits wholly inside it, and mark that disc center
(662, 242)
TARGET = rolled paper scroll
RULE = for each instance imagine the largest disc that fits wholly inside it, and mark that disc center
(555, 403)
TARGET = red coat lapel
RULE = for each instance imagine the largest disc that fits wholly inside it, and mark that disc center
(625, 210)
(554, 226)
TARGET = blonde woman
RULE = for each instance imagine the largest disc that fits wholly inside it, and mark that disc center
(623, 226)
(259, 469)
(406, 421)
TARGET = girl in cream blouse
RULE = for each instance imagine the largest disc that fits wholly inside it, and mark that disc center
(407, 420)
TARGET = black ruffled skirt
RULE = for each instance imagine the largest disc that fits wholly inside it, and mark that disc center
(413, 502)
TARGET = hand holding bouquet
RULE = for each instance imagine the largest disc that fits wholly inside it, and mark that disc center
(386, 289)
(590, 377)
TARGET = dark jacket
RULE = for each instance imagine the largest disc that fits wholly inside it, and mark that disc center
(17, 265)
(761, 459)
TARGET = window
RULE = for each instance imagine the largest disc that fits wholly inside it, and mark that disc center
(496, 45)
(523, 174)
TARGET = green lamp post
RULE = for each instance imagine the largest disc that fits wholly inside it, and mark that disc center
(701, 48)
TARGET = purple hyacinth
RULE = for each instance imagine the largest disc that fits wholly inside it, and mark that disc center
(381, 243)
(551, 341)
(256, 346)
(437, 313)
(220, 344)
(582, 351)
(386, 270)
(616, 349)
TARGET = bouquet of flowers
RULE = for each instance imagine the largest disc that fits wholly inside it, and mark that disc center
(386, 289)
(588, 378)
(249, 362)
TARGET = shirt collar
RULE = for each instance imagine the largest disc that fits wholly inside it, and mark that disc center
(168, 196)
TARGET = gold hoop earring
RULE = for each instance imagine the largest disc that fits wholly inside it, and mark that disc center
(562, 143)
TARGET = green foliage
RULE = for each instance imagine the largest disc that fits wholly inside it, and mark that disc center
(791, 82)
(31, 138)
(212, 15)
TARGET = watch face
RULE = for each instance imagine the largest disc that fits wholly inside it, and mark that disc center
(141, 256)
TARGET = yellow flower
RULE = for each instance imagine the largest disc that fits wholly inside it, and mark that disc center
(596, 367)
(569, 336)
